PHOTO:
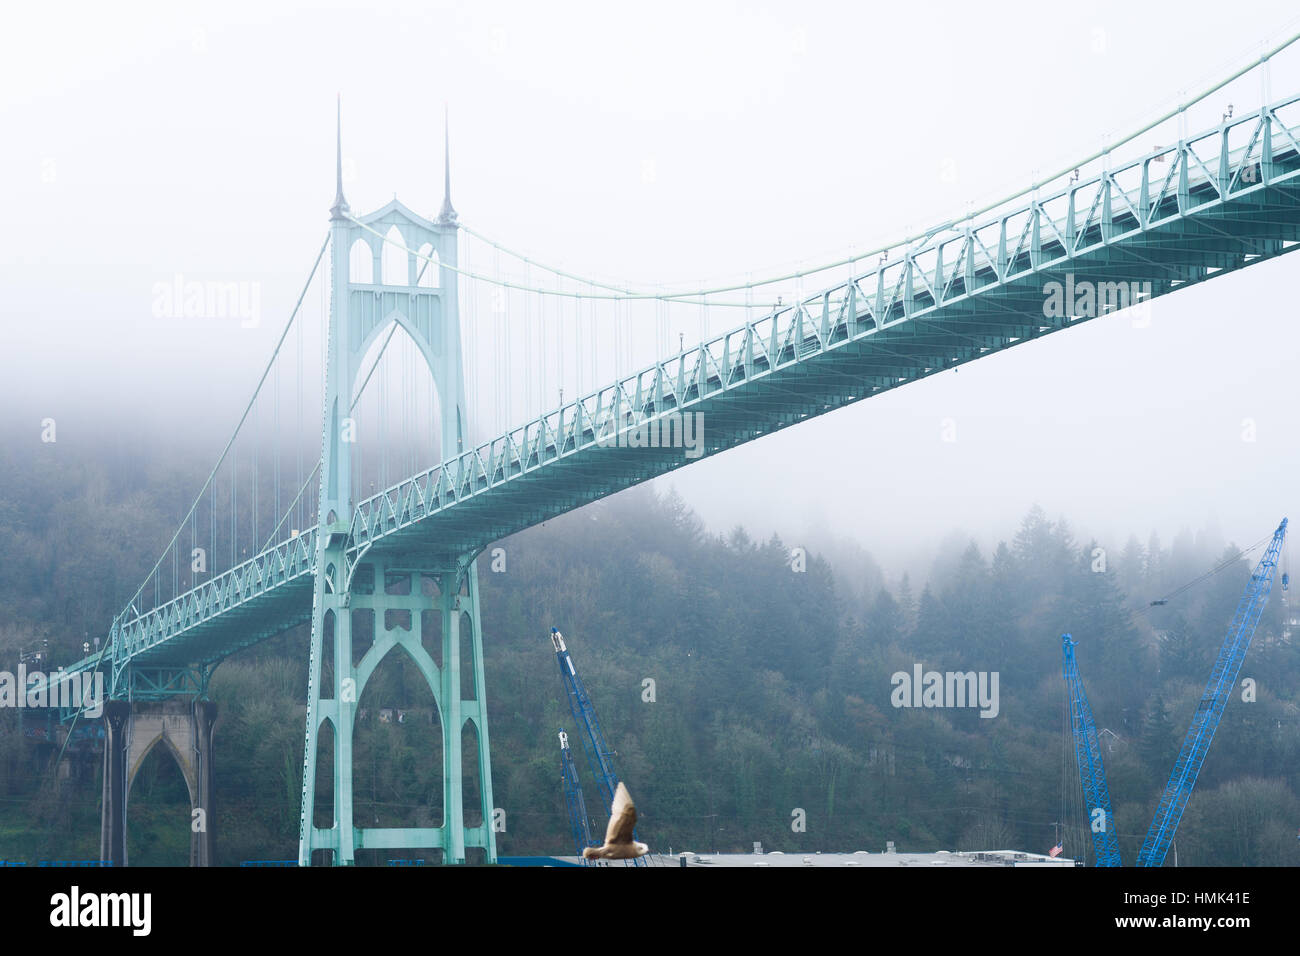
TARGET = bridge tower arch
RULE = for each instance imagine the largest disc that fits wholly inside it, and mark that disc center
(183, 727)
(349, 577)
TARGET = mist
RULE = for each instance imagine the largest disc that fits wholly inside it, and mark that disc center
(678, 146)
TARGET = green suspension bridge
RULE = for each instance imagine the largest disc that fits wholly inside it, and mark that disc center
(376, 546)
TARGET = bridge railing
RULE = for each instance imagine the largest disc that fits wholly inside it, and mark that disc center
(1040, 228)
(261, 573)
(1068, 217)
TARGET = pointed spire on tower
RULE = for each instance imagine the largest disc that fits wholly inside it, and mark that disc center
(447, 214)
(340, 208)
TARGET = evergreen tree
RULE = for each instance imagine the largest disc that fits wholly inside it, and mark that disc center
(768, 696)
(906, 603)
(1132, 568)
(1159, 741)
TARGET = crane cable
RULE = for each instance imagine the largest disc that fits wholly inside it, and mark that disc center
(1162, 601)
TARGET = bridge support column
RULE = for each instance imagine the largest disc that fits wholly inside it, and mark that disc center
(112, 829)
(395, 595)
(453, 800)
(351, 577)
(184, 726)
(463, 707)
(462, 713)
(202, 843)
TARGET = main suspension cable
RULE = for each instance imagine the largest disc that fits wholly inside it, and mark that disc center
(244, 417)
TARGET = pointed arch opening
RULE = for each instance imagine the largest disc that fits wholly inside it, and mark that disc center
(467, 686)
(471, 784)
(158, 810)
(396, 411)
(361, 263)
(396, 260)
(431, 633)
(397, 748)
(325, 675)
(323, 814)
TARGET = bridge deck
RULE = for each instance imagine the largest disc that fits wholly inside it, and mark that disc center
(1172, 218)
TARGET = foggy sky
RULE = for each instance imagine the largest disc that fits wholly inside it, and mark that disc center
(669, 144)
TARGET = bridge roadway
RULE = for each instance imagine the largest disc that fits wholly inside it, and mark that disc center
(1223, 200)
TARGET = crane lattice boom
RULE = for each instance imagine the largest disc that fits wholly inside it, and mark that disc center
(599, 755)
(1087, 754)
(1208, 712)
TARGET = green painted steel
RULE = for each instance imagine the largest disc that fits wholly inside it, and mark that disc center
(1167, 220)
(1210, 204)
(348, 581)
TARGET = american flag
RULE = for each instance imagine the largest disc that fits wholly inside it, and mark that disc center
(1056, 850)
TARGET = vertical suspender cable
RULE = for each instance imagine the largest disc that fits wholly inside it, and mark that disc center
(275, 447)
(559, 338)
(254, 443)
(234, 528)
(508, 386)
(529, 354)
(381, 464)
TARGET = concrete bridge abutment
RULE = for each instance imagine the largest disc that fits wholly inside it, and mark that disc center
(132, 729)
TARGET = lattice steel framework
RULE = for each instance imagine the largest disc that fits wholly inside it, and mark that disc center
(1214, 202)
(349, 580)
(1174, 217)
(1209, 711)
(1087, 756)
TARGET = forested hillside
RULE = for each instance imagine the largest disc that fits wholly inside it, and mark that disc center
(771, 678)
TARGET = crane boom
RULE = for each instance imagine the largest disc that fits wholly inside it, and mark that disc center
(1087, 754)
(599, 755)
(1205, 721)
(579, 823)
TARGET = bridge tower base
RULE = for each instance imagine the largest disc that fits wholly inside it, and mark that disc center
(399, 600)
(131, 731)
(419, 294)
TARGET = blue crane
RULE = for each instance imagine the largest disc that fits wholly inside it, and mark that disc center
(579, 823)
(1087, 754)
(599, 755)
(1205, 721)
